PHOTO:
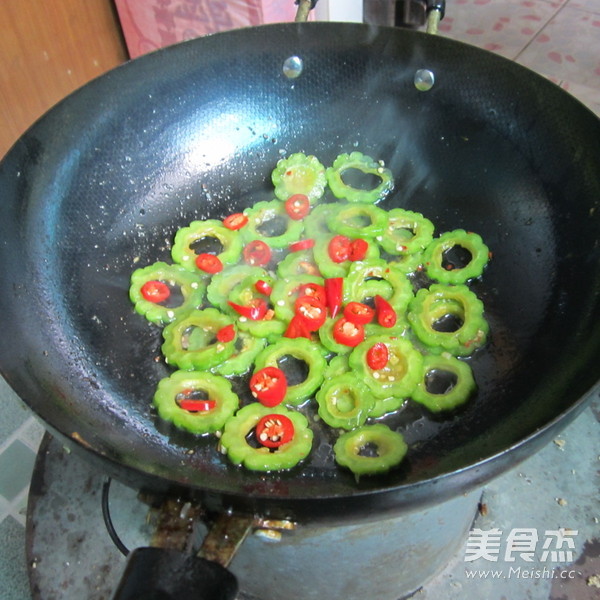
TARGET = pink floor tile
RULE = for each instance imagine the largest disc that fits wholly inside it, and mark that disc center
(589, 5)
(566, 48)
(503, 26)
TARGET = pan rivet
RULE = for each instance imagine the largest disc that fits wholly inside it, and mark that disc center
(292, 67)
(424, 80)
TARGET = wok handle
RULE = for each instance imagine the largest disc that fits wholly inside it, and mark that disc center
(166, 574)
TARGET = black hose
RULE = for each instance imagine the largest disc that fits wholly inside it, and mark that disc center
(108, 521)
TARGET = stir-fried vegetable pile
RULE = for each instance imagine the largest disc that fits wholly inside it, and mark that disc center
(375, 309)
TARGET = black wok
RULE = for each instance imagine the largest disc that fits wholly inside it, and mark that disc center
(101, 183)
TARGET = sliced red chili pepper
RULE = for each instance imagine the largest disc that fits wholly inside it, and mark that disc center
(333, 294)
(386, 315)
(257, 253)
(235, 221)
(155, 291)
(186, 401)
(358, 313)
(302, 245)
(311, 311)
(269, 386)
(378, 356)
(255, 311)
(297, 328)
(297, 206)
(209, 263)
(262, 287)
(339, 248)
(358, 249)
(347, 333)
(274, 430)
(313, 289)
(226, 334)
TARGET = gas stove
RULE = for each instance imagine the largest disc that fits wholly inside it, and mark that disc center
(535, 531)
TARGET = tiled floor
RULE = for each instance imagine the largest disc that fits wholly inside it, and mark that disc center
(557, 38)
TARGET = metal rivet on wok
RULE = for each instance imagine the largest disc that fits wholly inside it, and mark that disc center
(424, 80)
(292, 67)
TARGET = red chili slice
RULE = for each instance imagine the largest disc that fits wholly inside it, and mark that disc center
(274, 430)
(377, 356)
(235, 221)
(386, 315)
(311, 311)
(302, 245)
(358, 313)
(269, 386)
(255, 311)
(297, 328)
(333, 293)
(155, 291)
(197, 405)
(209, 263)
(339, 248)
(297, 206)
(313, 289)
(226, 334)
(257, 253)
(347, 333)
(358, 249)
(262, 287)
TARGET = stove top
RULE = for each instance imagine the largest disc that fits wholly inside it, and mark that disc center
(536, 536)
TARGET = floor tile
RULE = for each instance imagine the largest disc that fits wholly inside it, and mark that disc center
(31, 433)
(14, 582)
(562, 48)
(506, 28)
(16, 467)
(14, 412)
(589, 5)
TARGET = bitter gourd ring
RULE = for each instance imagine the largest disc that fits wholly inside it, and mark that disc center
(455, 392)
(455, 305)
(184, 253)
(370, 449)
(438, 268)
(221, 402)
(174, 276)
(365, 164)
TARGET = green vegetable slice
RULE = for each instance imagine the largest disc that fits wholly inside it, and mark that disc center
(440, 266)
(401, 374)
(406, 232)
(448, 318)
(456, 378)
(384, 406)
(171, 390)
(247, 347)
(238, 432)
(285, 292)
(222, 283)
(269, 222)
(189, 284)
(365, 164)
(367, 278)
(299, 174)
(358, 220)
(298, 263)
(344, 401)
(370, 449)
(190, 342)
(187, 238)
(338, 365)
(303, 350)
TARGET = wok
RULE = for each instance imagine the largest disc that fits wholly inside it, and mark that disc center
(99, 186)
